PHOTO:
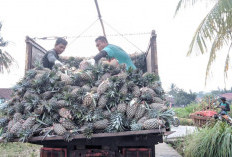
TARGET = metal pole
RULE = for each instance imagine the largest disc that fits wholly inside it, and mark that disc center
(99, 15)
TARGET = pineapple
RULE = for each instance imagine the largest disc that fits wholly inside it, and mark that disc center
(106, 113)
(3, 121)
(142, 120)
(10, 124)
(59, 129)
(28, 123)
(10, 111)
(158, 107)
(88, 99)
(47, 95)
(86, 88)
(103, 87)
(16, 127)
(101, 124)
(147, 91)
(94, 89)
(152, 124)
(122, 76)
(65, 78)
(158, 100)
(131, 108)
(19, 107)
(105, 76)
(140, 111)
(84, 65)
(75, 91)
(87, 76)
(61, 103)
(67, 124)
(122, 107)
(123, 89)
(39, 75)
(65, 113)
(136, 91)
(17, 117)
(102, 101)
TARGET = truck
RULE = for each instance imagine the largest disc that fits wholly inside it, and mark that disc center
(121, 144)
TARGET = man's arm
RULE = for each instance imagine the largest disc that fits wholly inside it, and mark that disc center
(51, 57)
(100, 55)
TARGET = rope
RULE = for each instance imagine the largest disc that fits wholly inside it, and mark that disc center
(123, 36)
(82, 32)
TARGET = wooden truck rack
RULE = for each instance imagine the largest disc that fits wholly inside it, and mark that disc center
(121, 144)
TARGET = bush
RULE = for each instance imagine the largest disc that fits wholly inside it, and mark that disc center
(215, 140)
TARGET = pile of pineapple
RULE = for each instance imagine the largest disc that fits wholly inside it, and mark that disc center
(67, 101)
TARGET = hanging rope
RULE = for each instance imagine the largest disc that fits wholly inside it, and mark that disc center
(123, 36)
(82, 32)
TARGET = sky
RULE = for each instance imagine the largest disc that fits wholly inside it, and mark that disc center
(44, 18)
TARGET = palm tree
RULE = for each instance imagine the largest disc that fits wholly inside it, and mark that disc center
(215, 29)
(6, 60)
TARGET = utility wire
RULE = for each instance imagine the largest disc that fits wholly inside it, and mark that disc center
(123, 36)
(91, 36)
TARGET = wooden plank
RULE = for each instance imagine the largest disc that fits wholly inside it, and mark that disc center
(100, 135)
(151, 58)
(33, 50)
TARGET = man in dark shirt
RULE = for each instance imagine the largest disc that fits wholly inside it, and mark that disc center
(115, 54)
(52, 57)
(225, 107)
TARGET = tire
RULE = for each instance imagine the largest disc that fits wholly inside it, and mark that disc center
(176, 122)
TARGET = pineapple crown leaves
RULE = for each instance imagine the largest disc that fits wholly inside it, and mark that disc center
(88, 131)
(116, 122)
(30, 74)
(25, 135)
(148, 98)
(167, 115)
(68, 136)
(135, 127)
(38, 65)
(150, 78)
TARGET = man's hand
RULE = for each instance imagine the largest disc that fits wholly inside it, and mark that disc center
(223, 107)
(91, 61)
(57, 62)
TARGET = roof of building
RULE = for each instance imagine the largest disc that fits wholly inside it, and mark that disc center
(5, 93)
(228, 96)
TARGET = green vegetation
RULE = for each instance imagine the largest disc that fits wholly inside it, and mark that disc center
(183, 112)
(213, 32)
(19, 149)
(185, 121)
(178, 145)
(214, 140)
(6, 60)
(180, 96)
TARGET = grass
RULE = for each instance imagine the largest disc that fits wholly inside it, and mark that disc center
(178, 145)
(183, 112)
(19, 150)
(186, 121)
(215, 140)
